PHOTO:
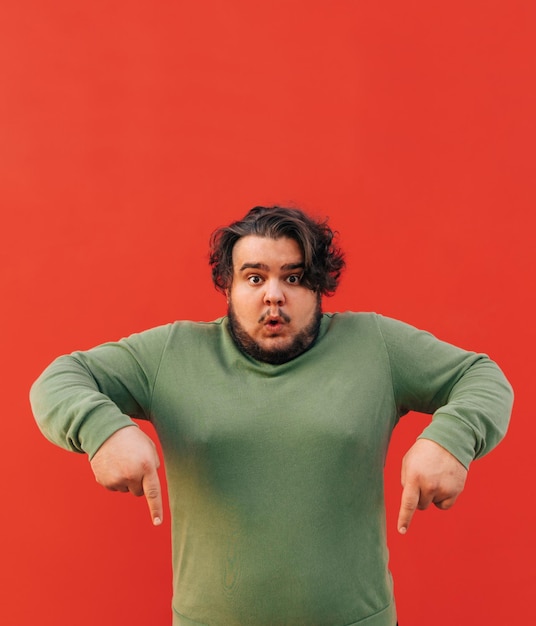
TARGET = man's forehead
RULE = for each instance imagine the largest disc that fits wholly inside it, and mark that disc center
(266, 253)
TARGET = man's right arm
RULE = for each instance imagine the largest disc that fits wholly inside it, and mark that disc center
(85, 401)
(73, 410)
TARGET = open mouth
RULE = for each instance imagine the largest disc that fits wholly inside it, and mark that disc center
(274, 324)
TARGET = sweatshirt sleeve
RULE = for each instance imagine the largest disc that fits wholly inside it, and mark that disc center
(467, 394)
(81, 399)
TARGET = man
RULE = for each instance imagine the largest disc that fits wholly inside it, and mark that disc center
(274, 424)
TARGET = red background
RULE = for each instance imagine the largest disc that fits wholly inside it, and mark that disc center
(127, 133)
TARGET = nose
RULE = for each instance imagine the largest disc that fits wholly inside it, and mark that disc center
(274, 294)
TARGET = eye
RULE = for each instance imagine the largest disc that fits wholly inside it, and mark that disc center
(254, 279)
(294, 279)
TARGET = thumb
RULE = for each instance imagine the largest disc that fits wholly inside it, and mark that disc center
(408, 506)
(153, 495)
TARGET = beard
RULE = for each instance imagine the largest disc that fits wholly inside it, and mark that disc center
(276, 356)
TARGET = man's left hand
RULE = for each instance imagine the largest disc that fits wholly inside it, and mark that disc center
(430, 474)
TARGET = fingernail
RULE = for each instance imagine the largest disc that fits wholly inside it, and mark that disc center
(402, 530)
(157, 521)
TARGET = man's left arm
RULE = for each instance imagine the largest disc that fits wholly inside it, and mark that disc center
(471, 401)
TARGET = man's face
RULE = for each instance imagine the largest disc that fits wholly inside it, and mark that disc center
(272, 316)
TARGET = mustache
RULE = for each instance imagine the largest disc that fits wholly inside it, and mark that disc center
(269, 313)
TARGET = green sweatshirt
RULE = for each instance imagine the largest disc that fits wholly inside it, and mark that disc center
(275, 472)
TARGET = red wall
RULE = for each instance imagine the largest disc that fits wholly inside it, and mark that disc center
(127, 133)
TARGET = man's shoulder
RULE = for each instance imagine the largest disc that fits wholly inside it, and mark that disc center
(181, 331)
(349, 324)
(192, 327)
(186, 326)
(371, 323)
(199, 332)
(351, 318)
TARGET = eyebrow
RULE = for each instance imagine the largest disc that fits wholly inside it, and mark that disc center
(263, 266)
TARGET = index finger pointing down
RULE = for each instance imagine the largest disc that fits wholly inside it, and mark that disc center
(408, 506)
(153, 495)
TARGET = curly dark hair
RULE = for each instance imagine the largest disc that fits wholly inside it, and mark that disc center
(323, 261)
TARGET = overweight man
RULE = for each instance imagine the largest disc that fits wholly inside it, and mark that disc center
(274, 422)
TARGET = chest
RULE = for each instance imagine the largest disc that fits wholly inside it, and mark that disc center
(339, 403)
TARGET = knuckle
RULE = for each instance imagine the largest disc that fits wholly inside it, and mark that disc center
(152, 493)
(130, 477)
(106, 482)
(147, 465)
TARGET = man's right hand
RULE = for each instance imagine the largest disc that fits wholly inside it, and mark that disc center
(128, 461)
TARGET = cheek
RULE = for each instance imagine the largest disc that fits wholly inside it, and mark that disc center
(244, 301)
(309, 304)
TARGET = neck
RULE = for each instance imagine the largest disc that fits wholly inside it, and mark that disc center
(302, 342)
